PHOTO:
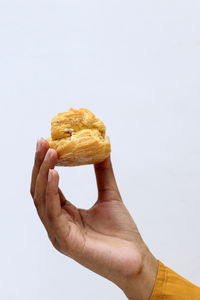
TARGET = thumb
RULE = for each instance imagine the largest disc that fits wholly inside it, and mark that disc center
(106, 183)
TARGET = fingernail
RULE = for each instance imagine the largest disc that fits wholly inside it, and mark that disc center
(50, 175)
(39, 145)
(48, 155)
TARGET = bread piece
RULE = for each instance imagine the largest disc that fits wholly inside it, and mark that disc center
(79, 138)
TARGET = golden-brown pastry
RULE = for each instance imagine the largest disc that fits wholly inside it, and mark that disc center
(79, 138)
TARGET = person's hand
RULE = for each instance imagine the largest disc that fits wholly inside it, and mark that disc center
(103, 238)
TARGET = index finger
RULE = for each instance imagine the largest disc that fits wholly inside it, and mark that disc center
(41, 150)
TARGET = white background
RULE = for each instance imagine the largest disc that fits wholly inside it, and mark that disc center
(136, 65)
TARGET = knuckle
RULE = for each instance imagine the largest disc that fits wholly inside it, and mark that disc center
(52, 239)
(36, 202)
(31, 192)
(55, 244)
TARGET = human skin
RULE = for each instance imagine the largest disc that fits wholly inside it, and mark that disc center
(103, 238)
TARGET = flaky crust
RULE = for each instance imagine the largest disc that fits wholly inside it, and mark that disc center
(79, 138)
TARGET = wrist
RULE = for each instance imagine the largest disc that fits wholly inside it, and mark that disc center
(140, 284)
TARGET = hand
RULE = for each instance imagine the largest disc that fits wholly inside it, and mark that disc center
(103, 238)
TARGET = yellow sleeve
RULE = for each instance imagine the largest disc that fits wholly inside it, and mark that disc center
(170, 285)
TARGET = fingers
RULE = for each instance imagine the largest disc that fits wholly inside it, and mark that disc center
(49, 162)
(106, 183)
(41, 150)
(48, 198)
(53, 203)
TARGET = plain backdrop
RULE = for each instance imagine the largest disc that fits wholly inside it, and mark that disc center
(136, 65)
